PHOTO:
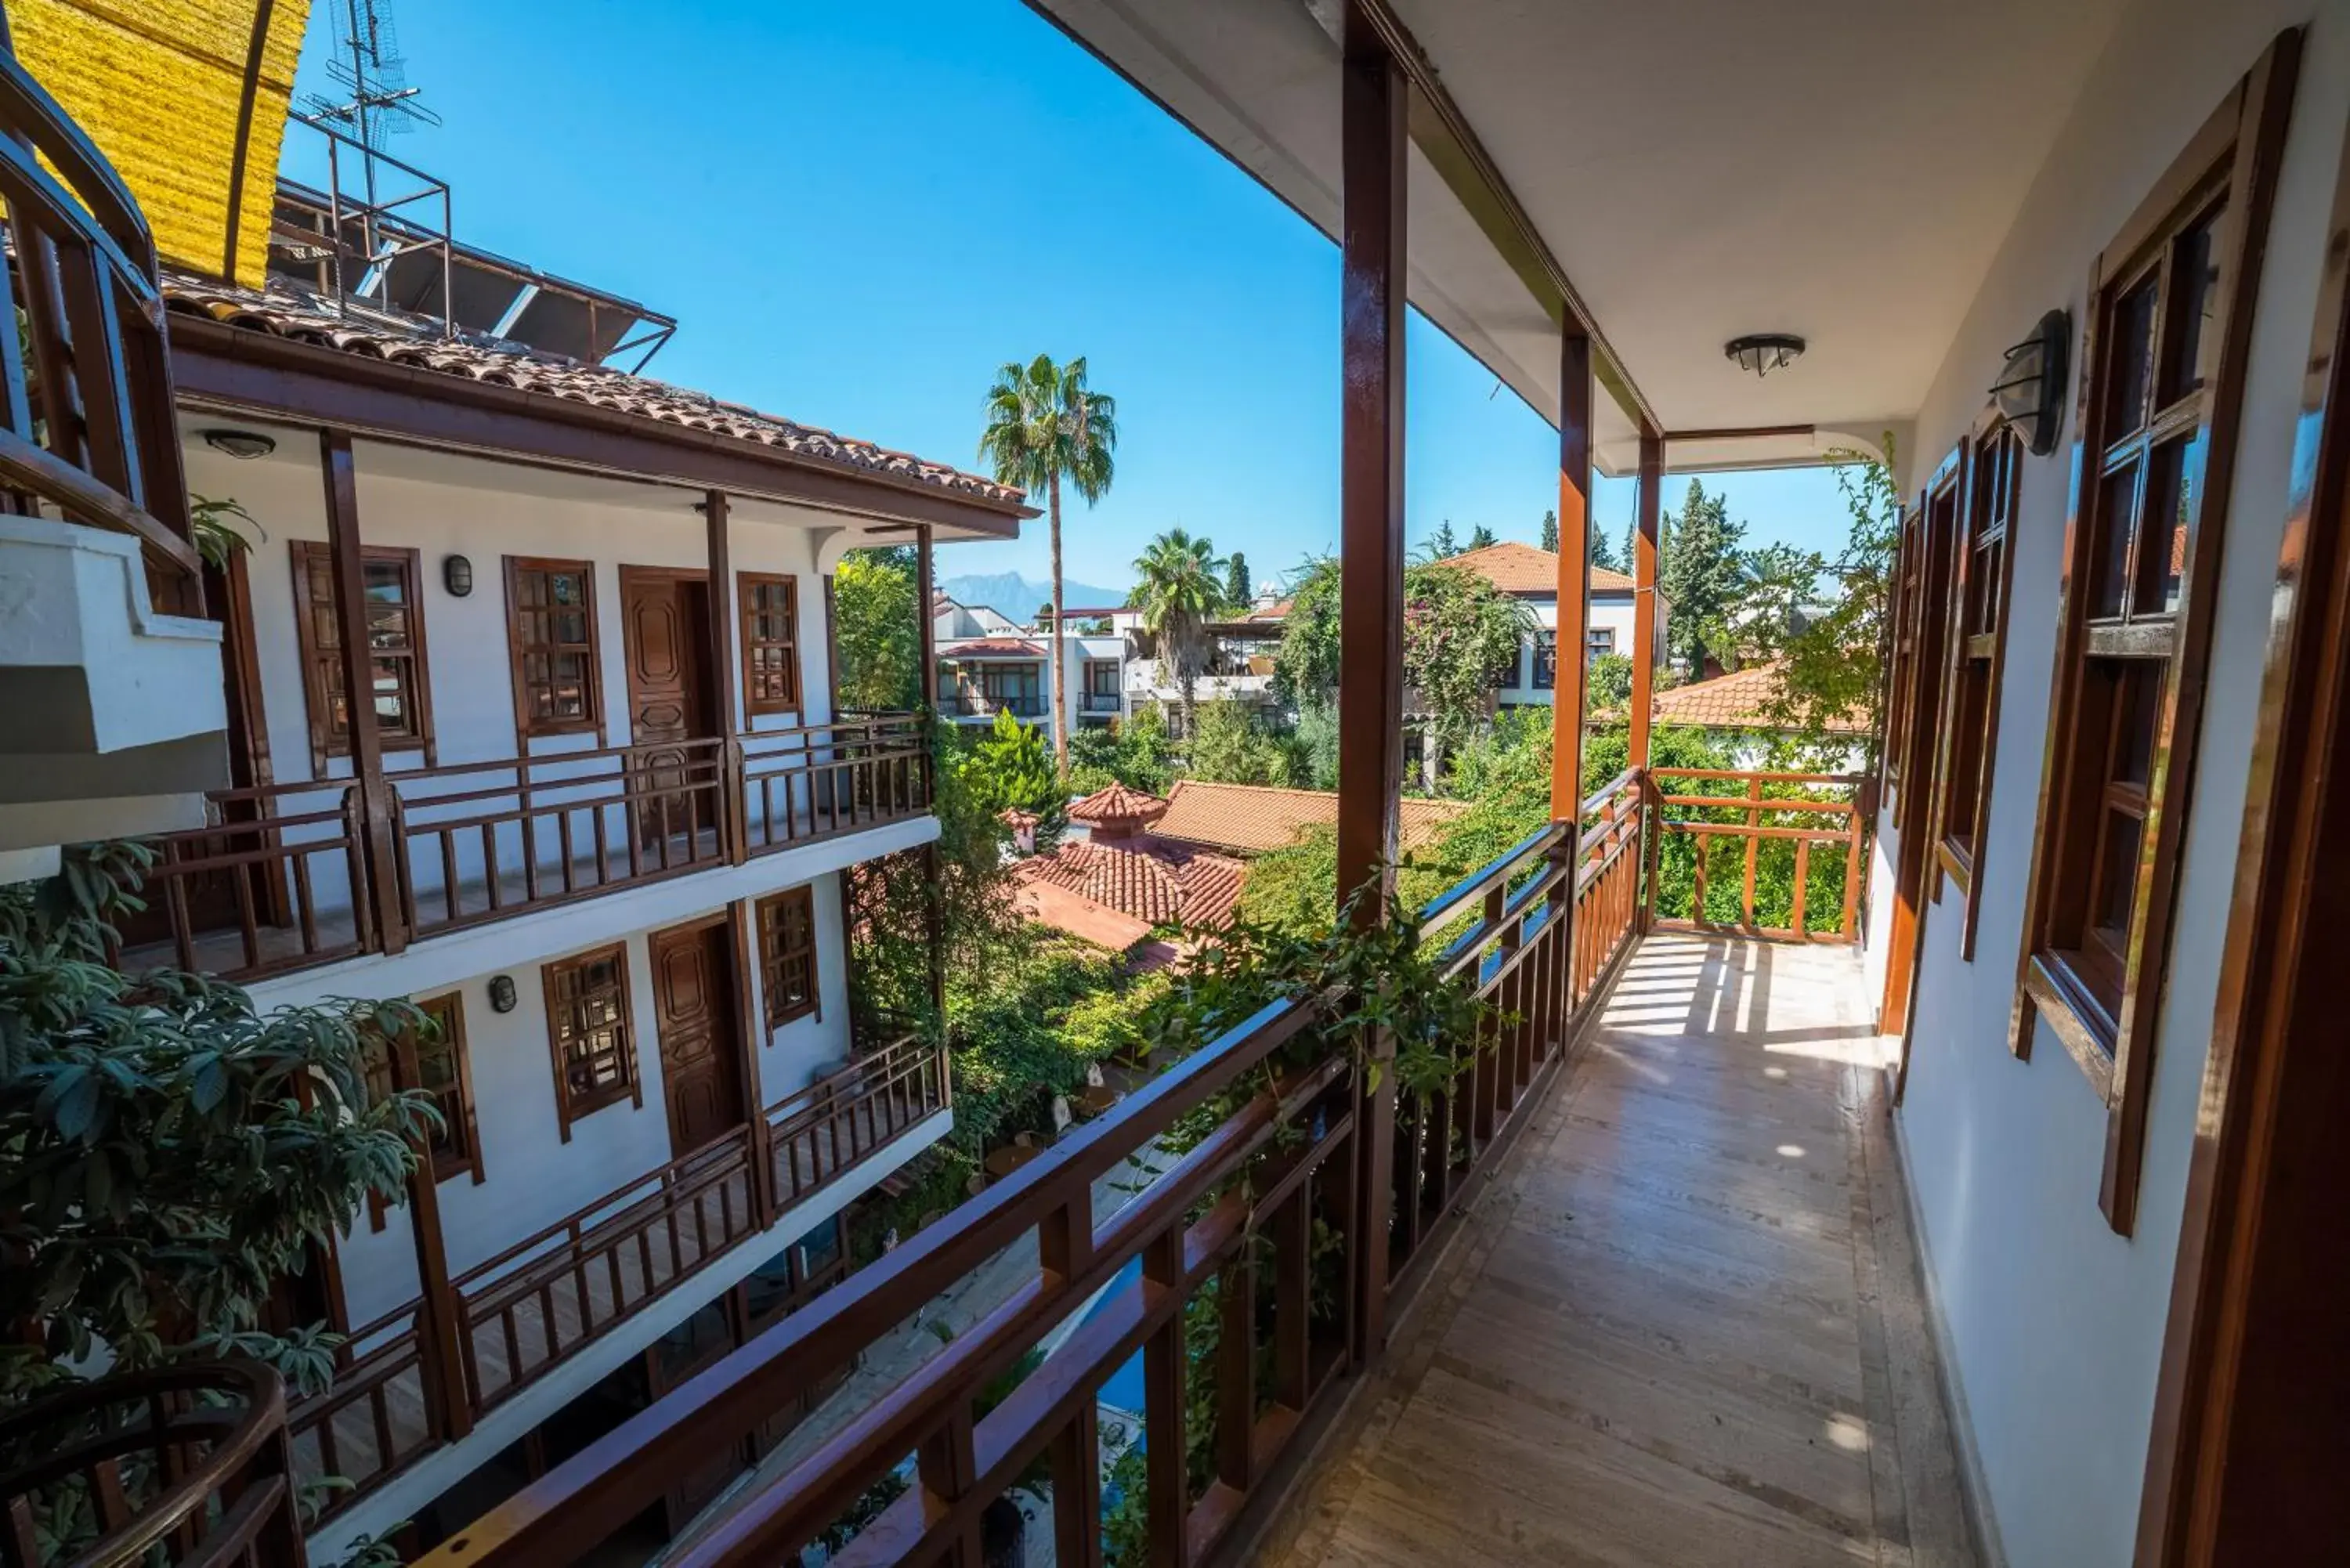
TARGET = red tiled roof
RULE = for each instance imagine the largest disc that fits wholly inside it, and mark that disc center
(1064, 909)
(1119, 810)
(1734, 702)
(1151, 880)
(992, 647)
(1249, 819)
(286, 310)
(1516, 568)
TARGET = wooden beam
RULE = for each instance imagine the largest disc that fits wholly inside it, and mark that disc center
(1573, 576)
(1741, 432)
(379, 852)
(1370, 622)
(1650, 505)
(724, 664)
(933, 911)
(448, 1409)
(1371, 445)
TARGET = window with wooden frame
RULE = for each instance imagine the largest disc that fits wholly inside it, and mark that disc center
(2164, 346)
(1597, 642)
(1977, 652)
(787, 956)
(1546, 672)
(551, 640)
(402, 694)
(1909, 543)
(591, 1034)
(771, 642)
(442, 1072)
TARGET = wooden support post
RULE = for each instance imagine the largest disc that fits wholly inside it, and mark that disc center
(933, 911)
(766, 1202)
(440, 1320)
(1375, 103)
(733, 829)
(380, 845)
(1644, 595)
(1568, 688)
(926, 592)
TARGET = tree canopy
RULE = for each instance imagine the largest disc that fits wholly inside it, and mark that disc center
(1238, 590)
(1830, 666)
(1702, 575)
(1044, 424)
(1178, 591)
(877, 628)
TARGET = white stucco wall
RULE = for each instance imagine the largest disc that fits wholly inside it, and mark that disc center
(2056, 1324)
(1614, 613)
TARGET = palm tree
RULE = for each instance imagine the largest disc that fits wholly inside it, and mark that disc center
(1178, 591)
(1044, 424)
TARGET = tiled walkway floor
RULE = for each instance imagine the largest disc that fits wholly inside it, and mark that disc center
(1682, 1328)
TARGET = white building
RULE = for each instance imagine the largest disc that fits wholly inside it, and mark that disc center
(1530, 575)
(988, 665)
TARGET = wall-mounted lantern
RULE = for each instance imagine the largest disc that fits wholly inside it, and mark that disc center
(502, 994)
(2030, 390)
(242, 445)
(457, 576)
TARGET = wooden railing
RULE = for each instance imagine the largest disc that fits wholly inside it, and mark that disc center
(87, 422)
(812, 782)
(1778, 886)
(266, 887)
(179, 1466)
(822, 1131)
(551, 1295)
(1259, 1238)
(280, 879)
(376, 1418)
(481, 840)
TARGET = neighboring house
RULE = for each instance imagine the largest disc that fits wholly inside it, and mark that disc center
(518, 705)
(1531, 576)
(1734, 707)
(1245, 820)
(984, 672)
(1115, 862)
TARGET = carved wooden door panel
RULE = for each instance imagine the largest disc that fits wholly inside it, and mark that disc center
(664, 631)
(693, 1004)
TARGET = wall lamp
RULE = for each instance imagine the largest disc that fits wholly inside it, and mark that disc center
(244, 446)
(457, 576)
(502, 994)
(2030, 390)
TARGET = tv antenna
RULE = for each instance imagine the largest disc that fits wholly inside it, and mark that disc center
(367, 62)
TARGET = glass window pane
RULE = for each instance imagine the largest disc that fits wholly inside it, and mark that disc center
(2130, 359)
(2191, 338)
(2139, 702)
(2118, 513)
(2116, 875)
(2162, 554)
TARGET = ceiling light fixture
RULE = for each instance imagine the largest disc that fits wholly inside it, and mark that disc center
(243, 444)
(1763, 352)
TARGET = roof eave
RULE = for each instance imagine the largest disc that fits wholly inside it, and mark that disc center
(216, 365)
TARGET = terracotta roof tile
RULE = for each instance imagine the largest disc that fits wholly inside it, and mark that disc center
(1516, 568)
(991, 648)
(1118, 809)
(1051, 904)
(1159, 883)
(1249, 819)
(1733, 701)
(285, 310)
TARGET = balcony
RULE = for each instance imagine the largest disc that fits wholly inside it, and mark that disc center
(978, 705)
(110, 673)
(288, 876)
(424, 1376)
(1098, 702)
(1655, 1213)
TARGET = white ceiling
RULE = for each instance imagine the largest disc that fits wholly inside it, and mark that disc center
(1843, 170)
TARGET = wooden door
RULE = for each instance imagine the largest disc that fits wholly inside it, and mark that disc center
(693, 1001)
(665, 624)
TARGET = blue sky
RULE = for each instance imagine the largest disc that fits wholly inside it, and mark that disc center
(857, 213)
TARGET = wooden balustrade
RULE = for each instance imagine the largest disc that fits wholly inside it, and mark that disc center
(825, 1129)
(181, 1467)
(1690, 825)
(86, 421)
(374, 1419)
(546, 1297)
(264, 888)
(479, 841)
(280, 880)
(820, 779)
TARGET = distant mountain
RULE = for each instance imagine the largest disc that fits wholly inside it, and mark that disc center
(1017, 596)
